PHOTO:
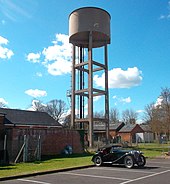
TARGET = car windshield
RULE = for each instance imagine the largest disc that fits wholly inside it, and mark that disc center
(110, 148)
(116, 147)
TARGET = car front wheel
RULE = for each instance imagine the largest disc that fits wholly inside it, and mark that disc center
(141, 161)
(129, 162)
(98, 161)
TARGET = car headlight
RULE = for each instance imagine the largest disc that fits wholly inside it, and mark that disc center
(136, 154)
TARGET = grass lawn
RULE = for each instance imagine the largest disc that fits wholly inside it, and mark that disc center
(153, 150)
(46, 165)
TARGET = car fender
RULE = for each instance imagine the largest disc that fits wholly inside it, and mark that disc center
(97, 154)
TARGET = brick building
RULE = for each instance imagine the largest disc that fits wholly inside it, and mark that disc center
(100, 131)
(36, 130)
(128, 133)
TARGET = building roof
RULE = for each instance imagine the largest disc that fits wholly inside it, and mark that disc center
(146, 128)
(26, 118)
(112, 126)
(129, 128)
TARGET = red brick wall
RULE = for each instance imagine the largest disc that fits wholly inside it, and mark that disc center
(53, 140)
(125, 137)
(113, 133)
(1, 122)
(1, 132)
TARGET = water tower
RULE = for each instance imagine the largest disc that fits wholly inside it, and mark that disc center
(89, 28)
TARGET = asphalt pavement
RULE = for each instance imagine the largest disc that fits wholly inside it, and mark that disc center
(156, 171)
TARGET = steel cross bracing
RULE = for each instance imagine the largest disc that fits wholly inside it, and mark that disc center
(80, 94)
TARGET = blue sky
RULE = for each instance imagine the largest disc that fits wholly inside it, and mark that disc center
(35, 56)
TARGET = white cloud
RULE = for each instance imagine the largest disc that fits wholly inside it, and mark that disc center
(59, 67)
(39, 74)
(96, 98)
(3, 101)
(121, 100)
(58, 56)
(36, 93)
(167, 15)
(162, 17)
(125, 100)
(5, 53)
(140, 111)
(17, 10)
(114, 97)
(52, 52)
(159, 102)
(118, 78)
(3, 40)
(34, 58)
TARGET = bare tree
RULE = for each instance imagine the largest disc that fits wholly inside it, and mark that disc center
(165, 94)
(38, 105)
(99, 115)
(114, 115)
(148, 113)
(67, 122)
(158, 115)
(156, 121)
(2, 105)
(56, 108)
(129, 116)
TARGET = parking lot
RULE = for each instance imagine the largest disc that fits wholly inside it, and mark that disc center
(155, 171)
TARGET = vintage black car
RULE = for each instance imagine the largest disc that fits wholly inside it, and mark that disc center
(116, 154)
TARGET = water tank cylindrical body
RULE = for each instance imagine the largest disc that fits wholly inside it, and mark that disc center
(89, 19)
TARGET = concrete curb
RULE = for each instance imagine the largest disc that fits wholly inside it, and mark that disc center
(163, 157)
(44, 172)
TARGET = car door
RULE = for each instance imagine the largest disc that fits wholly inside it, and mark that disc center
(113, 154)
(107, 155)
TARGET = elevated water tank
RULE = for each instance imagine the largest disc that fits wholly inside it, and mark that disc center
(89, 19)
